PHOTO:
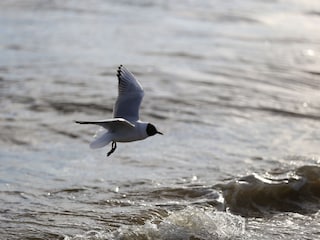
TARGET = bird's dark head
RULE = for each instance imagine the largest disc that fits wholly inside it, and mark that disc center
(151, 130)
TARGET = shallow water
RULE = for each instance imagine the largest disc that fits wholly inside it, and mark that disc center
(234, 86)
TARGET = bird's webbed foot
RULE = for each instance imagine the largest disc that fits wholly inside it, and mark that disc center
(113, 148)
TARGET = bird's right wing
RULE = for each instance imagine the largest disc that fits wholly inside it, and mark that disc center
(110, 124)
(130, 94)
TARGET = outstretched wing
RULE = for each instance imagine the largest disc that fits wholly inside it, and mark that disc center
(110, 124)
(130, 94)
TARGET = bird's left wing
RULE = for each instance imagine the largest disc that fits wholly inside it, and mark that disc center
(130, 94)
(110, 124)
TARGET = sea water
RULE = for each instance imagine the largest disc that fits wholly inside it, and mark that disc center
(233, 85)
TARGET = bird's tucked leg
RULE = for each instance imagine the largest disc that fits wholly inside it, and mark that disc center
(113, 148)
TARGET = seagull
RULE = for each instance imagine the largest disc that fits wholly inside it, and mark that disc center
(125, 125)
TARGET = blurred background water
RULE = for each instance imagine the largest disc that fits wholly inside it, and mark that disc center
(234, 86)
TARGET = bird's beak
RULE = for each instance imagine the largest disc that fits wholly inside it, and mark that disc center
(160, 133)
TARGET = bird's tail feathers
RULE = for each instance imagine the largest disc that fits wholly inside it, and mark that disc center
(102, 138)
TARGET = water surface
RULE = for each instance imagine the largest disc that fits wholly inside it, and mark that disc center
(234, 86)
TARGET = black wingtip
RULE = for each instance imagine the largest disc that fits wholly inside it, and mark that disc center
(79, 122)
(119, 69)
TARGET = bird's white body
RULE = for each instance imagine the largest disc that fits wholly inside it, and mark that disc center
(134, 134)
(125, 134)
(125, 125)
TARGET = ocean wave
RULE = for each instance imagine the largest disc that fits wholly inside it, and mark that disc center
(259, 196)
(189, 223)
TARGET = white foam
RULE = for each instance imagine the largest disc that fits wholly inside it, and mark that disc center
(201, 224)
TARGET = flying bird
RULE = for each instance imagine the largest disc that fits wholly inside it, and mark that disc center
(125, 125)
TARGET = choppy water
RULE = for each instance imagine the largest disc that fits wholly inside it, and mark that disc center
(234, 85)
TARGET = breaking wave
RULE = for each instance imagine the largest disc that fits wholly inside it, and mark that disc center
(189, 223)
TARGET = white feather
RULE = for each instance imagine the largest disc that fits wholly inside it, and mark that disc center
(101, 139)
